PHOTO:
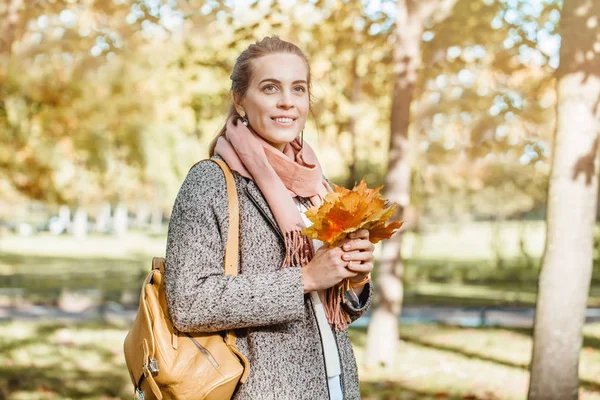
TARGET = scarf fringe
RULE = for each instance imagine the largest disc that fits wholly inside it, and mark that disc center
(299, 250)
(338, 317)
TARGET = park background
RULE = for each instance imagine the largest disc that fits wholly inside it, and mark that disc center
(451, 104)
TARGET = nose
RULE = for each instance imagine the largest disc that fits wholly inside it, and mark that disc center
(285, 100)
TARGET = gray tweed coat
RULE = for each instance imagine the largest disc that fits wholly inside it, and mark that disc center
(272, 317)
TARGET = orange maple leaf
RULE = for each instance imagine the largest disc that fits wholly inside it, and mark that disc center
(344, 211)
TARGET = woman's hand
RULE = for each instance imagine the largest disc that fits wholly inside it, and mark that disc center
(352, 259)
(358, 252)
(326, 269)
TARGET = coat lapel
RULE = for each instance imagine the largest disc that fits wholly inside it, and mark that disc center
(259, 201)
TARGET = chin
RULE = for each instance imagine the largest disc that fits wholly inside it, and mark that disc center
(282, 138)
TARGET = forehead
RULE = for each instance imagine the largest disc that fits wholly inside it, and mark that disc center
(283, 67)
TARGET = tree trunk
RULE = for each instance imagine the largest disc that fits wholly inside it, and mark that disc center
(572, 199)
(80, 226)
(142, 215)
(354, 98)
(64, 216)
(103, 219)
(383, 334)
(156, 219)
(497, 245)
(120, 220)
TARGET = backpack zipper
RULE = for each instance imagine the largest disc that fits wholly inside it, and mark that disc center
(204, 351)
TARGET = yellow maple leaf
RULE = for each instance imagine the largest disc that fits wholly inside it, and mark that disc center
(344, 211)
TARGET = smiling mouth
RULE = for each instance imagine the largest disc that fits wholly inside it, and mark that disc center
(283, 120)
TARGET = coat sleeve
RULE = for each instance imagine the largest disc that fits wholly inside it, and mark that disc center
(200, 297)
(355, 311)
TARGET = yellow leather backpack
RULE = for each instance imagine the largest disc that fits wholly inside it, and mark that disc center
(164, 363)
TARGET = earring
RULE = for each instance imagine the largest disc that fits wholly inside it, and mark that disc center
(244, 119)
(302, 139)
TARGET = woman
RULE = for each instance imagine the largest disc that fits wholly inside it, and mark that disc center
(289, 321)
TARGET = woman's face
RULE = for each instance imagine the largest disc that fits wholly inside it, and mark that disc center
(277, 101)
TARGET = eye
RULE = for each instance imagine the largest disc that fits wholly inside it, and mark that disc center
(269, 88)
(301, 89)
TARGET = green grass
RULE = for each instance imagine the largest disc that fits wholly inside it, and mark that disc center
(54, 361)
(43, 266)
(133, 245)
(446, 265)
(435, 361)
(463, 242)
(43, 361)
(479, 295)
(476, 240)
(449, 264)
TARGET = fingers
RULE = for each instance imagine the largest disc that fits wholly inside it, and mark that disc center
(335, 257)
(363, 268)
(359, 244)
(346, 273)
(358, 256)
(362, 234)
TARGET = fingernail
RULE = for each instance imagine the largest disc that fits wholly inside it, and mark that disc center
(346, 246)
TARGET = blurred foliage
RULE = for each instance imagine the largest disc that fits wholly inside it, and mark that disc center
(114, 102)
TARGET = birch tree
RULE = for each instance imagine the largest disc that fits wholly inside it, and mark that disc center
(572, 199)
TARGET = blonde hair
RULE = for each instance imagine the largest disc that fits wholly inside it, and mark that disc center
(243, 68)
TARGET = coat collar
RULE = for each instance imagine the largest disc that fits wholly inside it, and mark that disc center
(260, 202)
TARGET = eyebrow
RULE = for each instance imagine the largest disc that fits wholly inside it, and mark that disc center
(278, 81)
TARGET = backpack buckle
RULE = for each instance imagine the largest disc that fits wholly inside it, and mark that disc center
(150, 367)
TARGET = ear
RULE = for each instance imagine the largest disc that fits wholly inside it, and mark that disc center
(238, 105)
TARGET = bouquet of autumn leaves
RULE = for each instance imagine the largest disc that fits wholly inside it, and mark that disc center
(345, 211)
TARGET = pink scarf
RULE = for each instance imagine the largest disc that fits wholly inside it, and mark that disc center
(281, 176)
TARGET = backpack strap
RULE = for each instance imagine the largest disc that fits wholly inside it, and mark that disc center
(233, 232)
(232, 248)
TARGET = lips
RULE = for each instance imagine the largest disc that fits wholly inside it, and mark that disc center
(284, 121)
(284, 118)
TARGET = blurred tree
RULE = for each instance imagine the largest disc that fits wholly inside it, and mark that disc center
(478, 109)
(572, 199)
(484, 115)
(410, 22)
(54, 127)
(351, 58)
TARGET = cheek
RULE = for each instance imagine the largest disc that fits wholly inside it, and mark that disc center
(259, 107)
(304, 107)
